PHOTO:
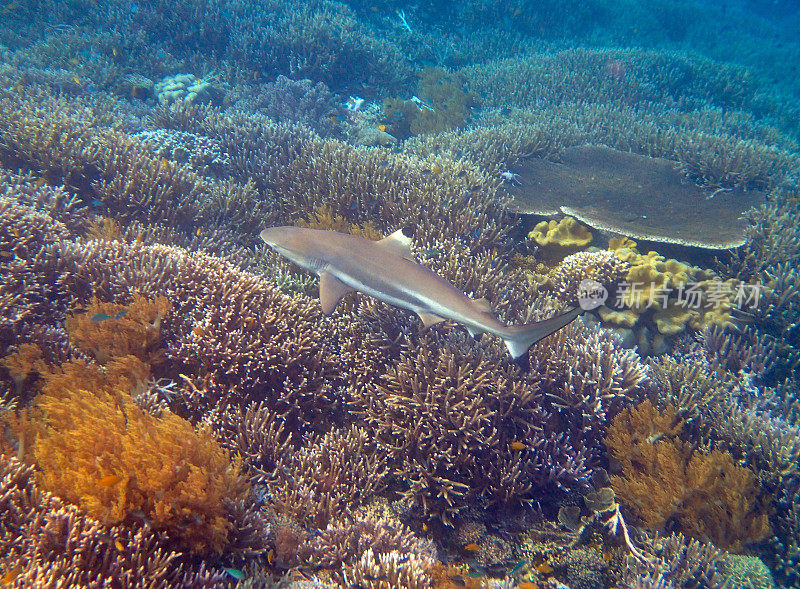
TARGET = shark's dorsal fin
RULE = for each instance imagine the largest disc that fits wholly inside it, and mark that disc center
(429, 319)
(398, 242)
(331, 291)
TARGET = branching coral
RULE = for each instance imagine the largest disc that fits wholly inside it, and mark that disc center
(458, 426)
(663, 479)
(678, 562)
(328, 477)
(393, 570)
(344, 541)
(238, 336)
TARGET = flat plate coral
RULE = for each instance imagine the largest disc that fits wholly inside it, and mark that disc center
(638, 196)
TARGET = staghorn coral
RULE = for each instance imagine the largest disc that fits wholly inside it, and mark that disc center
(328, 476)
(393, 570)
(587, 374)
(296, 101)
(447, 413)
(238, 336)
(678, 562)
(603, 266)
(345, 540)
(663, 479)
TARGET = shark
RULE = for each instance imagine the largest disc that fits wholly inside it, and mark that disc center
(386, 270)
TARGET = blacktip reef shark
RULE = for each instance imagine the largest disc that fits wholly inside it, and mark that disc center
(385, 270)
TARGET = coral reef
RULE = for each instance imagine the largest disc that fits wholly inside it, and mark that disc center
(187, 416)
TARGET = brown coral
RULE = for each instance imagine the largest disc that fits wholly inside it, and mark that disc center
(664, 480)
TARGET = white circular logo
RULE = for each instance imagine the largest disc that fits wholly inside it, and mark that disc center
(591, 294)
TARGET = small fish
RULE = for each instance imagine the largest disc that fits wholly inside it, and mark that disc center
(114, 52)
(121, 314)
(591, 268)
(437, 169)
(6, 254)
(475, 573)
(96, 203)
(271, 557)
(424, 527)
(235, 573)
(97, 318)
(794, 199)
(544, 568)
(431, 252)
(382, 127)
(134, 90)
(517, 445)
(527, 585)
(77, 80)
(118, 545)
(165, 163)
(11, 574)
(199, 331)
(517, 566)
(39, 182)
(472, 547)
(75, 61)
(517, 12)
(108, 481)
(197, 233)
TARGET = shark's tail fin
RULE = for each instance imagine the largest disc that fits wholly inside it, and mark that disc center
(521, 337)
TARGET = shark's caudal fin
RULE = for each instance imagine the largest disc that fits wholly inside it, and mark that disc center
(522, 337)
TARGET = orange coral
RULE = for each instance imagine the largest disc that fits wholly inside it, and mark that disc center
(107, 330)
(95, 448)
(25, 361)
(707, 496)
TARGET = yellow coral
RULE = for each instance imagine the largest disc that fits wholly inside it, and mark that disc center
(673, 318)
(624, 318)
(560, 238)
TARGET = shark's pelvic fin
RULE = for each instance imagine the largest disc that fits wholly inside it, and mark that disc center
(398, 242)
(483, 305)
(331, 291)
(429, 319)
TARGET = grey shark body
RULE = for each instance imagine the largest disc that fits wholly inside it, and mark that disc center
(384, 270)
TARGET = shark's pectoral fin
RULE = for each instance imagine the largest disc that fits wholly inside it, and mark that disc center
(429, 319)
(398, 243)
(331, 291)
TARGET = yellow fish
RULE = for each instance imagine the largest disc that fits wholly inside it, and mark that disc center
(39, 182)
(517, 445)
(114, 52)
(77, 80)
(382, 127)
(472, 547)
(118, 545)
(165, 163)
